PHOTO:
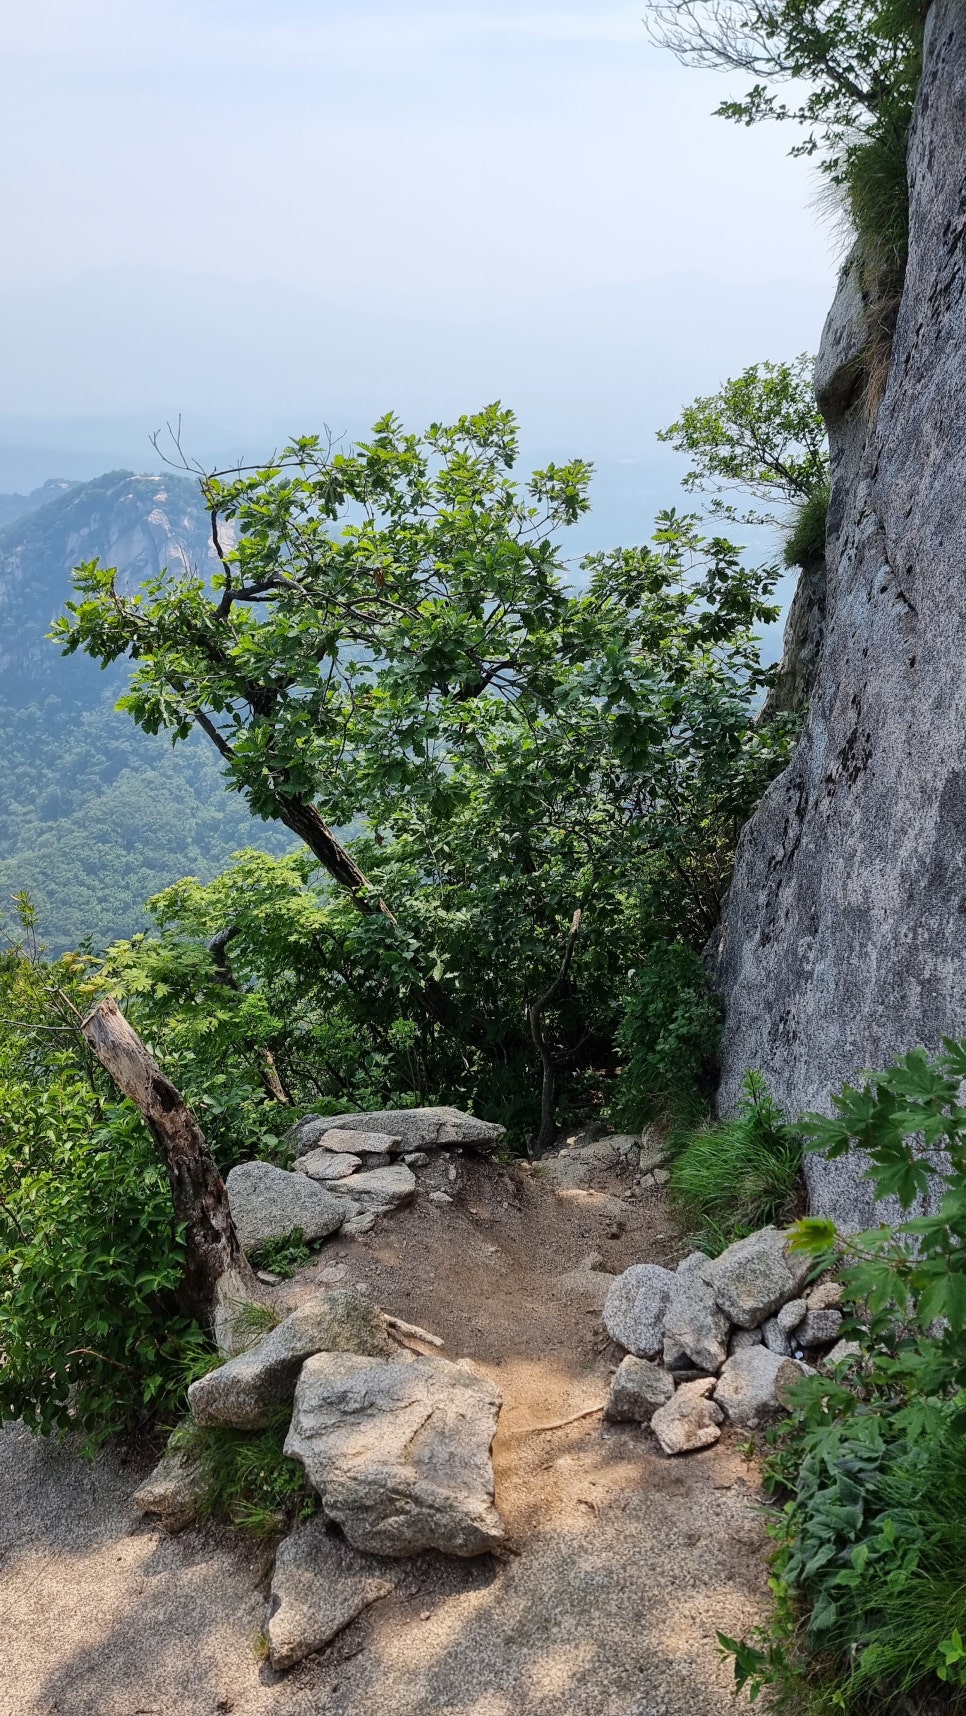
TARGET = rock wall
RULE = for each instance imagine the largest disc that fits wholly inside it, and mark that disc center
(844, 940)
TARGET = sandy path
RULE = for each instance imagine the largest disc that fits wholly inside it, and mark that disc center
(624, 1563)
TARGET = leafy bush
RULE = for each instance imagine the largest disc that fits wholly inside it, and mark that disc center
(739, 1174)
(668, 1041)
(806, 537)
(91, 1331)
(90, 1328)
(870, 1565)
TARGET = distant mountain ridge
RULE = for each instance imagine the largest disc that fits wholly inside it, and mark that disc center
(137, 523)
(15, 506)
(95, 816)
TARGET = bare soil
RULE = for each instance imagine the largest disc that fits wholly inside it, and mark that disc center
(622, 1564)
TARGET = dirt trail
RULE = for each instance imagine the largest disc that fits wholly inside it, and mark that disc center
(622, 1567)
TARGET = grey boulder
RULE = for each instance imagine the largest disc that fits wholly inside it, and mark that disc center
(319, 1585)
(248, 1390)
(790, 1315)
(400, 1452)
(689, 1420)
(743, 1338)
(753, 1277)
(753, 1384)
(842, 1351)
(638, 1389)
(694, 1264)
(268, 1203)
(694, 1325)
(379, 1190)
(819, 1328)
(358, 1225)
(322, 1164)
(635, 1308)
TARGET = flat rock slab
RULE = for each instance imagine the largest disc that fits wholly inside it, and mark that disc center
(248, 1390)
(419, 1128)
(756, 1276)
(379, 1190)
(323, 1164)
(635, 1308)
(363, 1143)
(319, 1585)
(269, 1203)
(400, 1452)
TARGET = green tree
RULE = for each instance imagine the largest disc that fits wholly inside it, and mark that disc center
(760, 434)
(392, 644)
(854, 66)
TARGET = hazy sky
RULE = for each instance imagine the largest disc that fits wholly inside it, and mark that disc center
(271, 215)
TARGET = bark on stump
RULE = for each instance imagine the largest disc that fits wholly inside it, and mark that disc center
(218, 1279)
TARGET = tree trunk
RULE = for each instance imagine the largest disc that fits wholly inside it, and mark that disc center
(217, 1274)
(547, 1130)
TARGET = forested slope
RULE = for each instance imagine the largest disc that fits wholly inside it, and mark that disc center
(94, 815)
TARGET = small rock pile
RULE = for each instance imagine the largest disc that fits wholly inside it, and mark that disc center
(394, 1442)
(349, 1169)
(718, 1339)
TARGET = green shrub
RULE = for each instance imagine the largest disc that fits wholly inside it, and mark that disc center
(739, 1174)
(90, 1267)
(668, 1042)
(868, 1569)
(870, 1472)
(806, 537)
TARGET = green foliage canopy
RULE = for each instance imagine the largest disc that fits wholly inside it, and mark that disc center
(761, 434)
(392, 643)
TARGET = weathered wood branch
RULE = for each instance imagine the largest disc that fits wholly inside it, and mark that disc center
(217, 1273)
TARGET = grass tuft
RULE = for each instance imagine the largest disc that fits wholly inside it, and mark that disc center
(806, 538)
(249, 1481)
(283, 1256)
(739, 1174)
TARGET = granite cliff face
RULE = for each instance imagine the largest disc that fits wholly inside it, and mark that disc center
(845, 934)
